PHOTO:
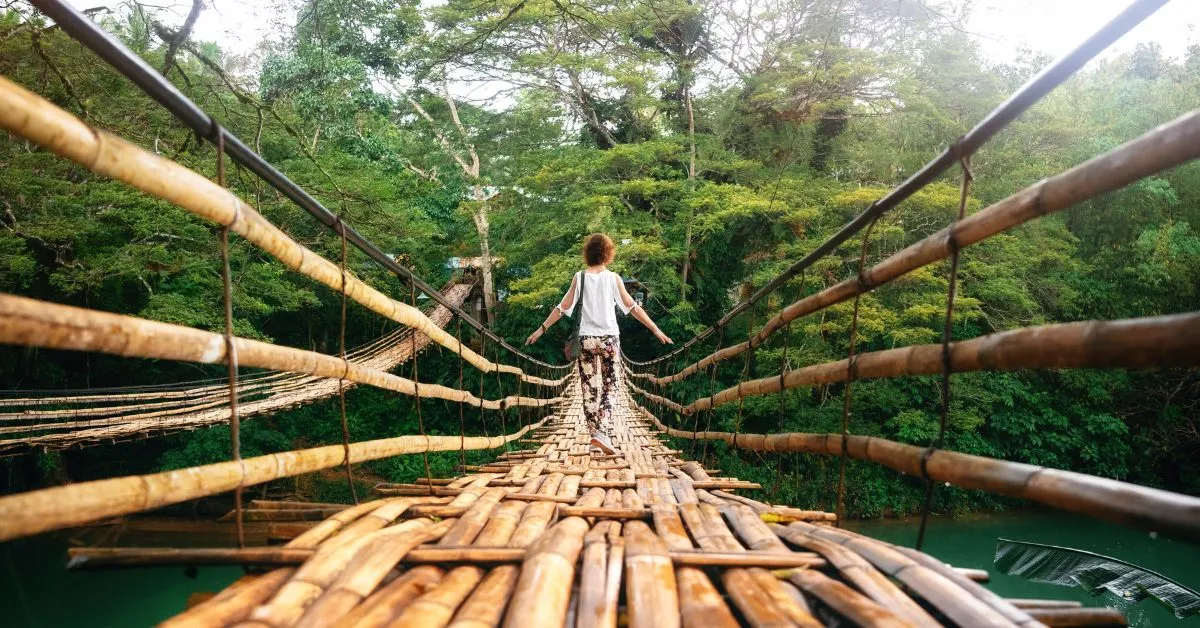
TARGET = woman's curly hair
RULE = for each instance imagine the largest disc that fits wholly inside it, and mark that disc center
(598, 250)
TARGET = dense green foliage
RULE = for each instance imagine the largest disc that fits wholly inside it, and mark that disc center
(588, 126)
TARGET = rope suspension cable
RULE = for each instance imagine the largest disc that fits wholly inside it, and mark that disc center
(462, 412)
(342, 380)
(520, 393)
(712, 383)
(417, 396)
(737, 424)
(851, 375)
(482, 374)
(503, 400)
(695, 419)
(658, 408)
(231, 362)
(947, 337)
(787, 336)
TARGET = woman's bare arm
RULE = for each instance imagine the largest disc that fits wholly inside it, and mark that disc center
(555, 314)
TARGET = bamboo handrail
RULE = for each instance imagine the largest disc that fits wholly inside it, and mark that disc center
(379, 347)
(1138, 506)
(1164, 147)
(271, 393)
(26, 114)
(43, 510)
(1149, 342)
(36, 323)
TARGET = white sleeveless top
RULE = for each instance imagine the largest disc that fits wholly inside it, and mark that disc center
(601, 298)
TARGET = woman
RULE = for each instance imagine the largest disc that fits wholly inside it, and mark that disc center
(598, 333)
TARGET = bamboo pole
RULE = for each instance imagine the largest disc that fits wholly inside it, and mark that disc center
(101, 558)
(1136, 343)
(365, 571)
(1027, 603)
(485, 607)
(435, 608)
(30, 322)
(84, 502)
(502, 524)
(943, 594)
(592, 606)
(1138, 506)
(265, 394)
(757, 607)
(474, 519)
(233, 604)
(543, 591)
(791, 608)
(534, 521)
(314, 576)
(28, 115)
(1164, 147)
(98, 558)
(700, 604)
(651, 594)
(1064, 617)
(391, 599)
(846, 601)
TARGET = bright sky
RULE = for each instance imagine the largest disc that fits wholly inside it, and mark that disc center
(1003, 26)
(1057, 26)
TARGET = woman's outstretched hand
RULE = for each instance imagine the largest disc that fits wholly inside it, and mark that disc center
(537, 333)
(663, 338)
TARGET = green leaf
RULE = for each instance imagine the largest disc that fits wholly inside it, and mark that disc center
(1069, 567)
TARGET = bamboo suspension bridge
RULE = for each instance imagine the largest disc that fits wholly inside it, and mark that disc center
(555, 534)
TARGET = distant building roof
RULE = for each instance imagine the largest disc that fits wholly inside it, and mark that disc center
(470, 262)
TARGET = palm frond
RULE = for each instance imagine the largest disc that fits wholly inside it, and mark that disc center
(1094, 572)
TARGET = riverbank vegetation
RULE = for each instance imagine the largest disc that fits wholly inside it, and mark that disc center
(716, 142)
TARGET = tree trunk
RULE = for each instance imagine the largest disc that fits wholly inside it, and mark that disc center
(480, 215)
(687, 242)
(687, 259)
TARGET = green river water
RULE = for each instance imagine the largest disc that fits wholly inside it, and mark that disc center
(36, 591)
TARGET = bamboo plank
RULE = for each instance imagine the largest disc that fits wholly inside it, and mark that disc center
(544, 589)
(651, 594)
(390, 600)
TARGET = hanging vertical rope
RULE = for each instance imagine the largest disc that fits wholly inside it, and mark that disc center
(947, 336)
(712, 389)
(503, 400)
(482, 374)
(658, 407)
(462, 413)
(851, 375)
(231, 363)
(783, 363)
(417, 395)
(520, 393)
(342, 380)
(737, 424)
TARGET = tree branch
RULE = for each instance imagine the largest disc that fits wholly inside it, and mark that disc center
(180, 36)
(35, 37)
(441, 138)
(462, 131)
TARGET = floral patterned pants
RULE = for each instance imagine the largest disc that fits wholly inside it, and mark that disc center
(598, 377)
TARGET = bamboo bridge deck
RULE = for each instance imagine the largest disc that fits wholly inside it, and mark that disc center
(558, 535)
